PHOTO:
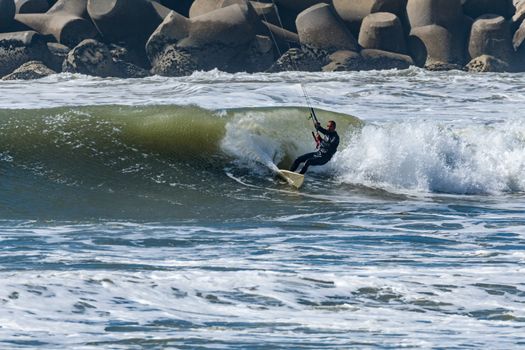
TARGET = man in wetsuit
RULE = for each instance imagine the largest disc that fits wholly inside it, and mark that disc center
(327, 148)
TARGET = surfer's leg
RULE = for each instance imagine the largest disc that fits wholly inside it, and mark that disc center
(314, 161)
(300, 160)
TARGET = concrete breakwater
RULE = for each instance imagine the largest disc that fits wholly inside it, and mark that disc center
(137, 38)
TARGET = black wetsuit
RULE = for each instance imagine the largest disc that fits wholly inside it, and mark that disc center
(327, 149)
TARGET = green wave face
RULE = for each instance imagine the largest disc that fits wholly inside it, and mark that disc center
(172, 131)
(98, 160)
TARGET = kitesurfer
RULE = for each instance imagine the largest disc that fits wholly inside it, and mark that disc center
(327, 146)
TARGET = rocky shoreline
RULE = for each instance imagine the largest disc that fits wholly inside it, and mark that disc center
(138, 38)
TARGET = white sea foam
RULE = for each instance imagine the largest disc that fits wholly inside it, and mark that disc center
(247, 138)
(72, 308)
(424, 156)
(430, 156)
(375, 95)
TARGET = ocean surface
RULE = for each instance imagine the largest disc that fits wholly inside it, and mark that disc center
(145, 213)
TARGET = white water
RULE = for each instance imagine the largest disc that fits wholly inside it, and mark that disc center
(374, 95)
(433, 156)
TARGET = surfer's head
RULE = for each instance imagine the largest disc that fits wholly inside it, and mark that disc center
(331, 125)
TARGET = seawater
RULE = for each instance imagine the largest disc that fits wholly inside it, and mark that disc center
(145, 213)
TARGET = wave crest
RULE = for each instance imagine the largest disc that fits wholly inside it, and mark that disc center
(432, 157)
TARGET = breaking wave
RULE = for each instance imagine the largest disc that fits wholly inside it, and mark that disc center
(99, 159)
(429, 156)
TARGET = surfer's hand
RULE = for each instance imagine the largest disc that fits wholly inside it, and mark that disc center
(317, 125)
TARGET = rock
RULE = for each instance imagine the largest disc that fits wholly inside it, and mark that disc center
(127, 54)
(437, 46)
(440, 66)
(267, 12)
(343, 60)
(378, 59)
(76, 7)
(7, 13)
(487, 63)
(125, 21)
(231, 26)
(30, 70)
(130, 70)
(477, 8)
(212, 40)
(519, 14)
(64, 21)
(213, 5)
(301, 59)
(491, 35)
(21, 47)
(175, 27)
(298, 5)
(58, 54)
(92, 57)
(519, 37)
(284, 39)
(439, 33)
(32, 6)
(368, 59)
(258, 57)
(174, 62)
(319, 28)
(382, 31)
(353, 12)
(444, 13)
(201, 7)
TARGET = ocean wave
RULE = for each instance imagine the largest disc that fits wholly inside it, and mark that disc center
(164, 144)
(175, 132)
(430, 156)
(148, 161)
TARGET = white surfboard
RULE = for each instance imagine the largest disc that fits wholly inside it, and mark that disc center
(294, 179)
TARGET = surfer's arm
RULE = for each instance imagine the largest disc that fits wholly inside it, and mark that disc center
(319, 128)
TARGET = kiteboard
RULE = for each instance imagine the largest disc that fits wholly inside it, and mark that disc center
(294, 179)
